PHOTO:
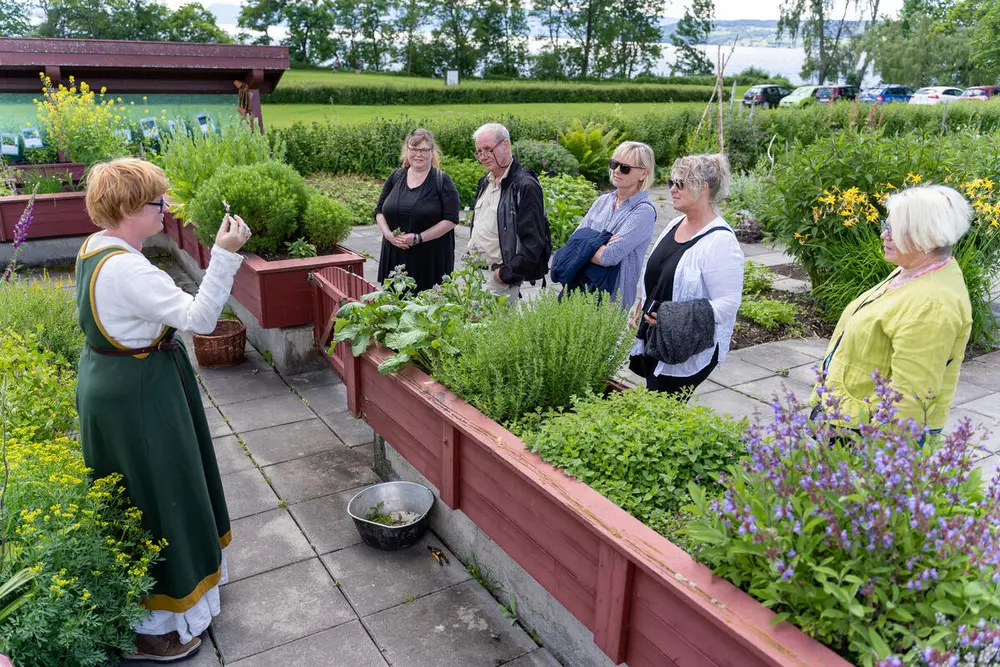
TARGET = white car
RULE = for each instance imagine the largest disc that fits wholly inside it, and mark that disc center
(936, 95)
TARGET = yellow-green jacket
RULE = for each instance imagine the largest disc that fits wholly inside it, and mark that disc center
(914, 334)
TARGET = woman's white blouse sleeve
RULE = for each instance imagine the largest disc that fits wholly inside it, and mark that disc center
(134, 298)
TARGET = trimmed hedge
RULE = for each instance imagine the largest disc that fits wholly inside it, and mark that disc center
(498, 93)
(373, 147)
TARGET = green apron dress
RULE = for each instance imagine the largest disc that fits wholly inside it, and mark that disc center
(141, 415)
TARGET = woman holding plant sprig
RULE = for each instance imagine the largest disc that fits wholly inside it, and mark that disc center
(140, 410)
(417, 214)
(913, 326)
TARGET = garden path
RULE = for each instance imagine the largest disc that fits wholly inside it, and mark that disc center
(305, 591)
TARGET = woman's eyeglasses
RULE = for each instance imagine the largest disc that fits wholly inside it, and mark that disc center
(620, 166)
(158, 204)
(886, 229)
(421, 151)
(675, 184)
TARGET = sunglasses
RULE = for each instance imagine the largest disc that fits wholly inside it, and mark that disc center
(158, 204)
(620, 166)
(675, 184)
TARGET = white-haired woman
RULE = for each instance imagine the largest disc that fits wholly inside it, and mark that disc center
(913, 326)
(627, 214)
(692, 283)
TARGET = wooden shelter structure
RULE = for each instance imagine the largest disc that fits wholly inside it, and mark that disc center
(142, 67)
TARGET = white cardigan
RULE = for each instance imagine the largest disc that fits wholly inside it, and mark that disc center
(711, 269)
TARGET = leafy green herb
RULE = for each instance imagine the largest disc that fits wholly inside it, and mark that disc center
(300, 249)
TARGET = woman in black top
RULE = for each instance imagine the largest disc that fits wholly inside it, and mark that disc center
(417, 214)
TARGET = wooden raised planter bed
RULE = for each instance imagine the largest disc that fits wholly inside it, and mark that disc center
(74, 169)
(646, 601)
(60, 214)
(277, 293)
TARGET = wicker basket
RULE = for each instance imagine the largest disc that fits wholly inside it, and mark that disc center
(223, 347)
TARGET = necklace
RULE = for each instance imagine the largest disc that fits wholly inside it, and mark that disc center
(900, 280)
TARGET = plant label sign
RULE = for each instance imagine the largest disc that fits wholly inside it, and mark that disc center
(31, 137)
(125, 134)
(149, 128)
(205, 123)
(451, 77)
(8, 144)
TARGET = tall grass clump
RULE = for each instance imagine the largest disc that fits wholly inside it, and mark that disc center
(45, 308)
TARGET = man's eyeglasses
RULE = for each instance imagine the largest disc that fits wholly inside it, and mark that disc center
(158, 204)
(620, 166)
(480, 153)
(678, 184)
(421, 151)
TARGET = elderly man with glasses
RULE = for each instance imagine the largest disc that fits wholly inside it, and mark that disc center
(509, 227)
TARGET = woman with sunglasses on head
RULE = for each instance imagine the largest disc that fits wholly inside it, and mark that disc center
(140, 410)
(692, 284)
(624, 217)
(417, 214)
(913, 326)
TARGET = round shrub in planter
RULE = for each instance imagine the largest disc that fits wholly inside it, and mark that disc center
(465, 174)
(270, 197)
(325, 222)
(545, 157)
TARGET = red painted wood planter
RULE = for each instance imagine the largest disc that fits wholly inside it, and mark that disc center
(278, 293)
(74, 169)
(61, 214)
(647, 602)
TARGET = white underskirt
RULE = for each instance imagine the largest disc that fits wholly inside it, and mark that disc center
(190, 623)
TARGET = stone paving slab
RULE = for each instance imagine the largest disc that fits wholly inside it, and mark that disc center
(346, 645)
(325, 521)
(319, 475)
(217, 426)
(247, 492)
(459, 626)
(776, 386)
(736, 405)
(352, 431)
(988, 405)
(539, 658)
(772, 356)
(230, 455)
(312, 379)
(263, 542)
(374, 580)
(254, 378)
(290, 441)
(736, 371)
(980, 373)
(966, 391)
(278, 607)
(812, 347)
(327, 399)
(267, 412)
(791, 285)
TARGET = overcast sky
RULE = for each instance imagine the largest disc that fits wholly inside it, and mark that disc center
(724, 9)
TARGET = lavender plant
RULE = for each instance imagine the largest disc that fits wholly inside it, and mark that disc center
(971, 646)
(20, 235)
(878, 541)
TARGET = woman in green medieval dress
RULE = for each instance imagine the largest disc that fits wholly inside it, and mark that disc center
(140, 410)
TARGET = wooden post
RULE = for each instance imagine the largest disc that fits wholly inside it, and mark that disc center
(253, 83)
(352, 379)
(615, 573)
(450, 465)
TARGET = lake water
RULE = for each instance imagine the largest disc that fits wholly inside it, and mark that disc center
(784, 61)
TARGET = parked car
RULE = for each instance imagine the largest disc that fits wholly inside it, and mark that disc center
(936, 95)
(981, 93)
(801, 97)
(886, 94)
(765, 96)
(828, 94)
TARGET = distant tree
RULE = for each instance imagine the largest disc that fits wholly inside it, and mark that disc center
(629, 42)
(103, 19)
(347, 24)
(501, 35)
(921, 52)
(193, 23)
(310, 27)
(552, 15)
(694, 28)
(413, 16)
(14, 18)
(587, 24)
(980, 20)
(827, 35)
(379, 30)
(453, 36)
(260, 16)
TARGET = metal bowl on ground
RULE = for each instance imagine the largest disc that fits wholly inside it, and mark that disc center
(394, 497)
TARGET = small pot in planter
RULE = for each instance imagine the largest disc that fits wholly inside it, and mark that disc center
(222, 348)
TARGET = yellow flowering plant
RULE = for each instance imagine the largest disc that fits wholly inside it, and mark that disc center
(826, 202)
(81, 540)
(81, 122)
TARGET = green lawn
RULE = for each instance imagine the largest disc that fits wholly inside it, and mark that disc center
(322, 78)
(283, 115)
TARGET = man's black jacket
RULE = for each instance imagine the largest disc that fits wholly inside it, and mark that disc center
(525, 244)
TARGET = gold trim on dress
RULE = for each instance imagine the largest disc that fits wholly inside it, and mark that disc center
(93, 301)
(226, 539)
(162, 602)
